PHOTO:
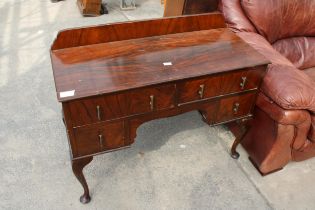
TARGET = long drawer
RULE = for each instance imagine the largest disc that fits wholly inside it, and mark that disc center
(108, 107)
(217, 85)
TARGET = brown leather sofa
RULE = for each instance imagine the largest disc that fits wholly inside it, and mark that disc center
(283, 31)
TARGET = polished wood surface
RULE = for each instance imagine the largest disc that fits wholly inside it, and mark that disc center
(130, 64)
(120, 85)
(137, 29)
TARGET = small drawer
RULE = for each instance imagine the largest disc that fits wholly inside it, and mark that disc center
(101, 108)
(199, 89)
(97, 109)
(150, 99)
(242, 80)
(235, 107)
(92, 139)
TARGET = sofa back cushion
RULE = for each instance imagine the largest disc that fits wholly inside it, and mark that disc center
(299, 50)
(235, 17)
(279, 19)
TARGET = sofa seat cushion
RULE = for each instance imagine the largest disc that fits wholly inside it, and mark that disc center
(280, 19)
(299, 50)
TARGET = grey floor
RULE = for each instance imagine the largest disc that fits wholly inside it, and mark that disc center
(176, 163)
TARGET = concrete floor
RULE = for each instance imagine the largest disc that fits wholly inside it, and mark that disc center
(176, 163)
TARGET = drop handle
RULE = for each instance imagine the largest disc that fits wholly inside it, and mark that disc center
(98, 111)
(152, 101)
(201, 91)
(101, 140)
(236, 108)
(243, 82)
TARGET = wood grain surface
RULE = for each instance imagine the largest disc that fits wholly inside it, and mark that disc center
(136, 29)
(116, 66)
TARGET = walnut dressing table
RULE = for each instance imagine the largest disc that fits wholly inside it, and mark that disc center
(112, 78)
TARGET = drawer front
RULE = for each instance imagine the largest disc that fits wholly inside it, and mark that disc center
(108, 107)
(150, 99)
(228, 83)
(242, 80)
(235, 107)
(97, 109)
(97, 138)
(199, 89)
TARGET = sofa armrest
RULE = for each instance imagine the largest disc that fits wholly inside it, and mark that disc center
(287, 86)
(280, 115)
(300, 119)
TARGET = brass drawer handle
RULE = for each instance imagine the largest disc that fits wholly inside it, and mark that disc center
(243, 82)
(152, 102)
(201, 91)
(101, 140)
(236, 108)
(98, 110)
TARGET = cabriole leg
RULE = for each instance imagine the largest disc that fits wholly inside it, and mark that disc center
(77, 168)
(244, 128)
